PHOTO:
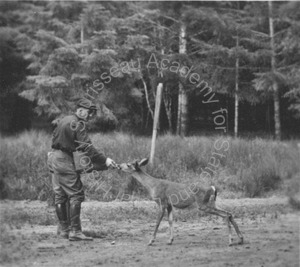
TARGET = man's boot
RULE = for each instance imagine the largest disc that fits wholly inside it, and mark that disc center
(63, 228)
(68, 214)
(76, 233)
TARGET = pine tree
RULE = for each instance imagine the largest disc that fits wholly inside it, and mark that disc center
(289, 59)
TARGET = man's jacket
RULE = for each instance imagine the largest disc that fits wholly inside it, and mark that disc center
(70, 135)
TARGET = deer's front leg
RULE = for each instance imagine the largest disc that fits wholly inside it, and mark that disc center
(160, 216)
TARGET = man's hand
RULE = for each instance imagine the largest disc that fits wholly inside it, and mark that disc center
(110, 163)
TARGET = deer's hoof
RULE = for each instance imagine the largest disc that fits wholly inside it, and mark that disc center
(170, 242)
(151, 242)
(241, 241)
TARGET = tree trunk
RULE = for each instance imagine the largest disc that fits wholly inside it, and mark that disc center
(183, 110)
(82, 32)
(236, 97)
(182, 95)
(83, 50)
(168, 106)
(178, 125)
(147, 97)
(275, 84)
(156, 120)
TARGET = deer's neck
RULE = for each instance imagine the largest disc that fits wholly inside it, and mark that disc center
(146, 180)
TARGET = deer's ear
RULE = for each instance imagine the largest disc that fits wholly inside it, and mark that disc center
(143, 162)
(136, 165)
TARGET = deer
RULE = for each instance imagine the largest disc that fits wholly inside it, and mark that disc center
(169, 195)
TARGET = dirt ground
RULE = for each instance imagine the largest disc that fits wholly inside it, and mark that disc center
(270, 228)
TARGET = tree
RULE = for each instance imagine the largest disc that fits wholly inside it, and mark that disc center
(62, 70)
(279, 79)
(182, 95)
(289, 60)
(273, 70)
(12, 73)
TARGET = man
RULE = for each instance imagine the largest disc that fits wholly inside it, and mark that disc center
(69, 136)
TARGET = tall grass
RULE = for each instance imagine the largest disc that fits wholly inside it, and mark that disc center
(242, 167)
(23, 165)
(259, 165)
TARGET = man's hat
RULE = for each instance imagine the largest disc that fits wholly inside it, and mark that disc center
(86, 103)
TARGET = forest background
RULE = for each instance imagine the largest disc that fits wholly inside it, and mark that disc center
(246, 53)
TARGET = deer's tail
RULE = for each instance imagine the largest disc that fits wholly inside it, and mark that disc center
(214, 192)
(210, 195)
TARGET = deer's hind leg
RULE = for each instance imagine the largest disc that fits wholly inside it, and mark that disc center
(160, 216)
(236, 228)
(229, 220)
(170, 219)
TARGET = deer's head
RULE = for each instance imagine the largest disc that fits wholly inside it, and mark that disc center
(133, 166)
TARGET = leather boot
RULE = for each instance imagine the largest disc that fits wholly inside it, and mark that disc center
(63, 227)
(76, 233)
(68, 214)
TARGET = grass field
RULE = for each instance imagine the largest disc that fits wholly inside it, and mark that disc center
(238, 167)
